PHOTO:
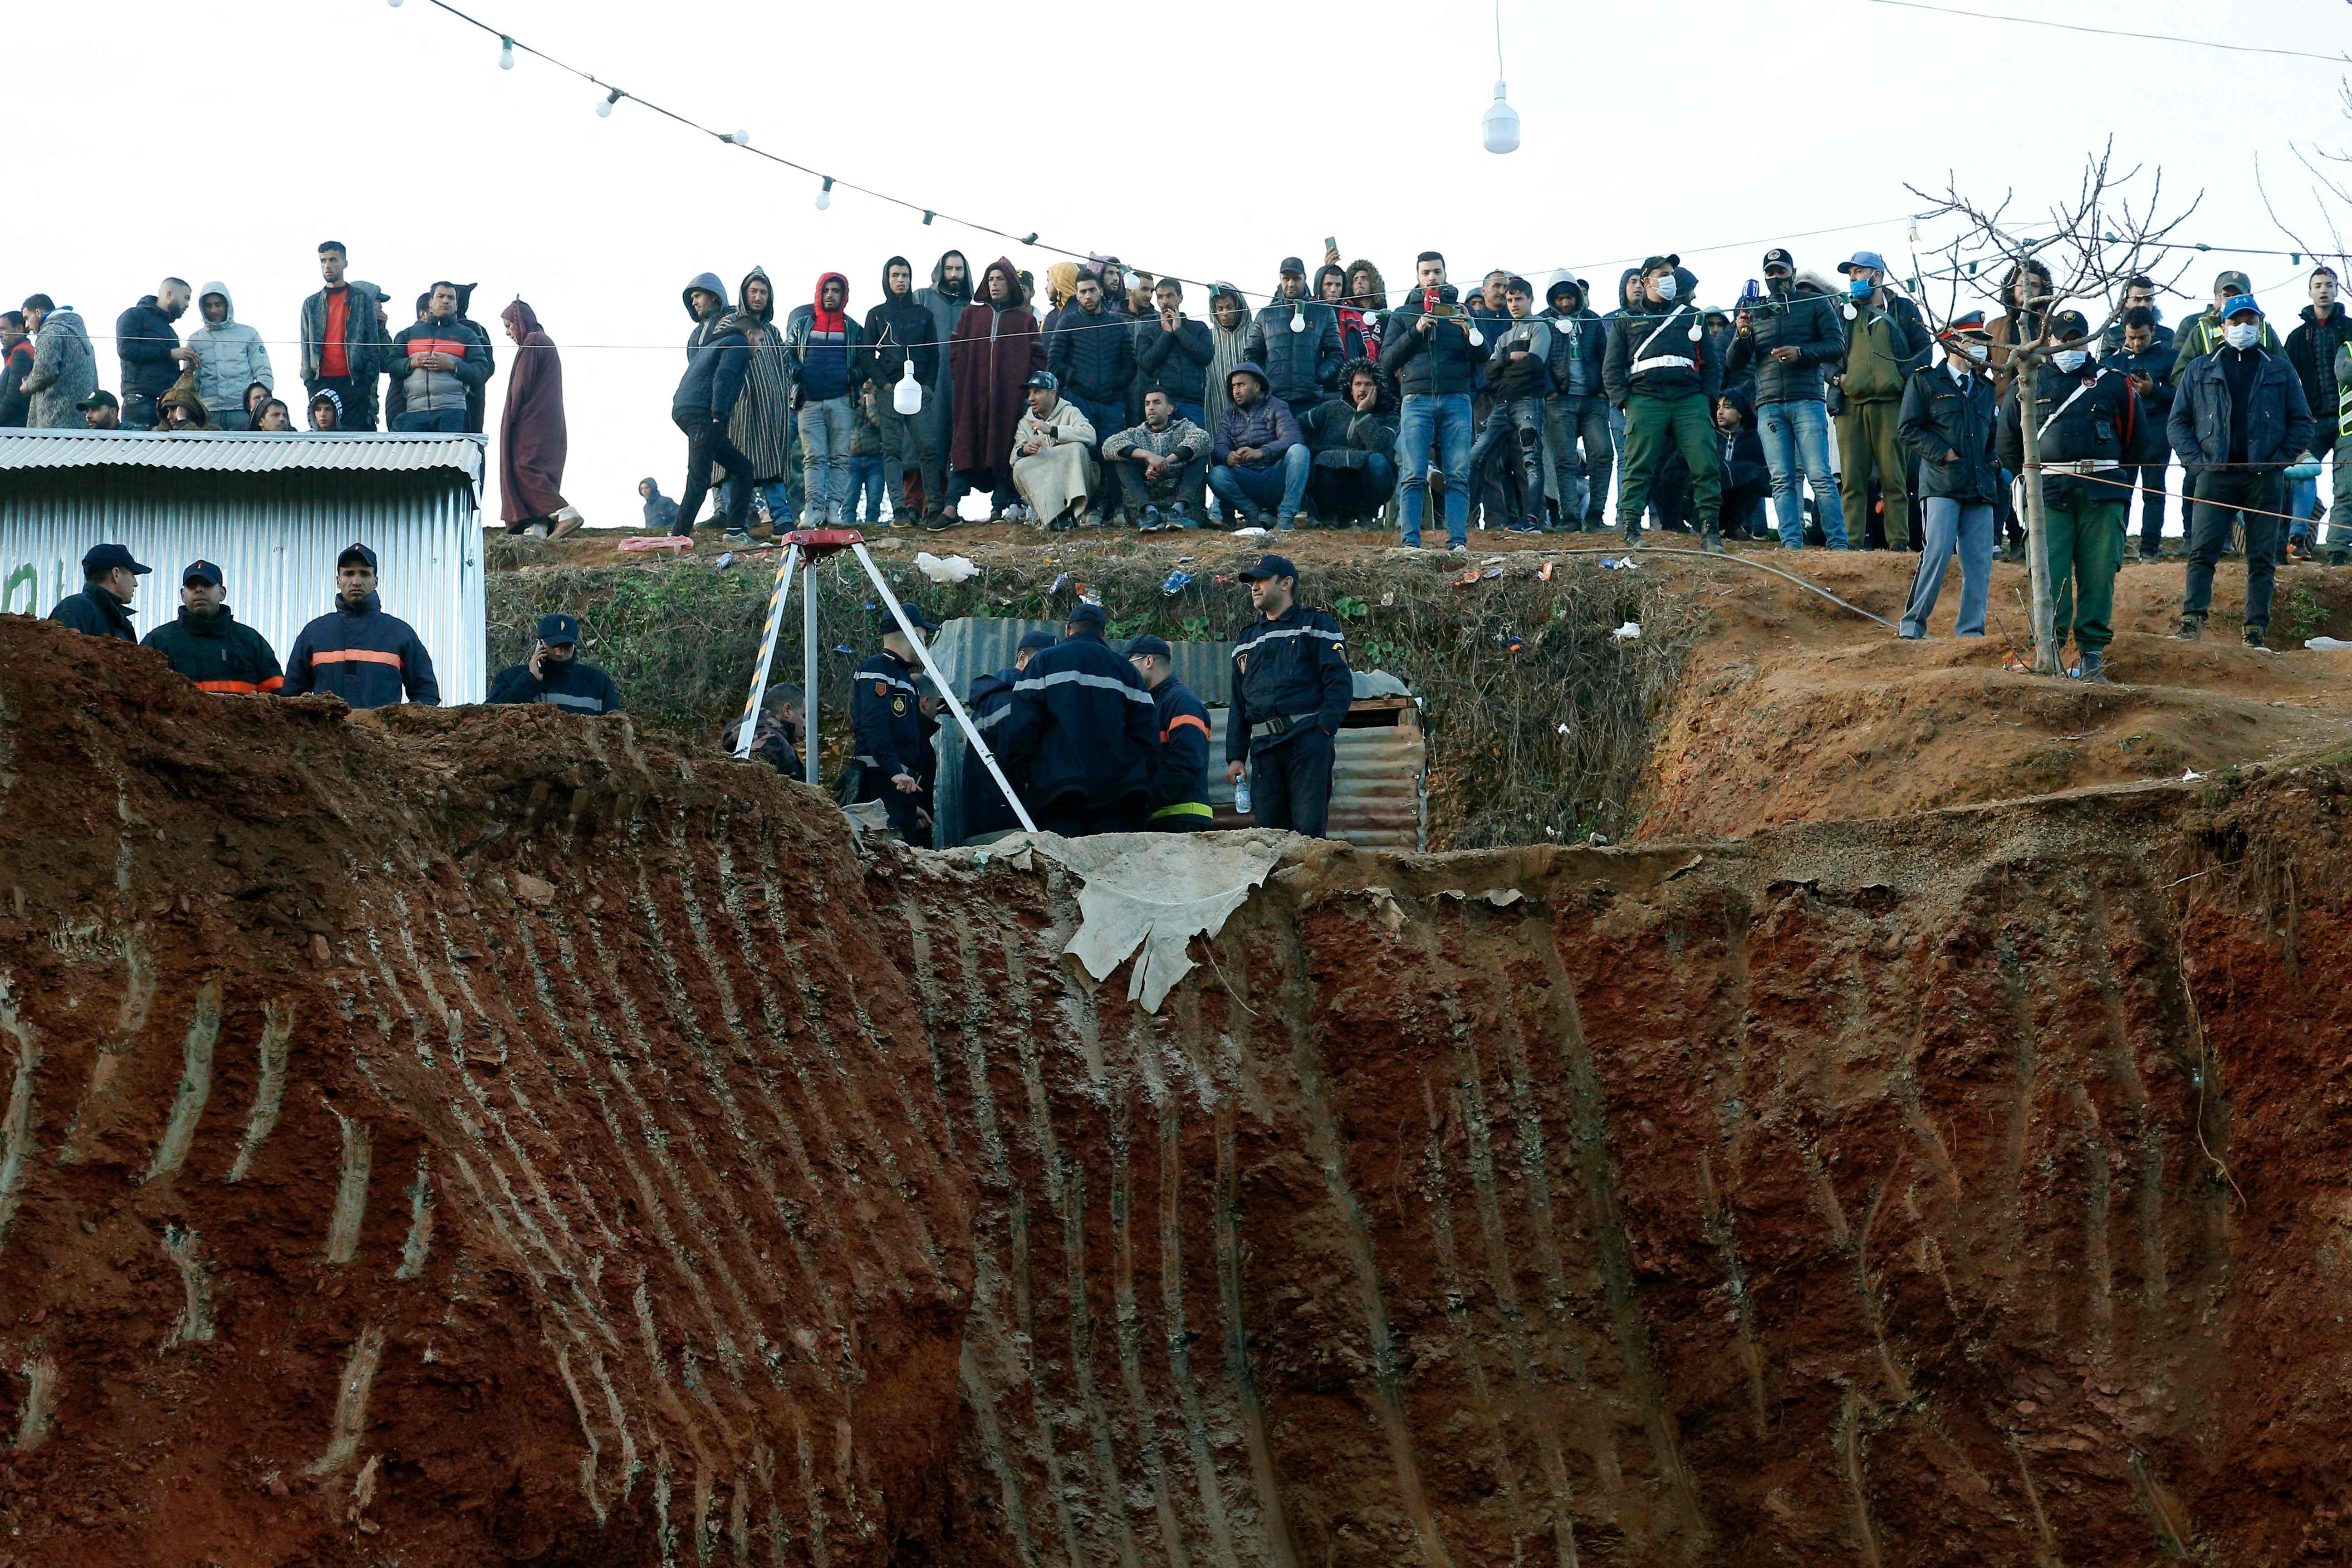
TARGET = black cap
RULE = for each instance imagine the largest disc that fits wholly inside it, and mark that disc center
(1045, 378)
(201, 571)
(1776, 257)
(915, 618)
(359, 553)
(1293, 266)
(2068, 325)
(554, 630)
(101, 398)
(1269, 566)
(101, 559)
(1036, 642)
(1085, 614)
(1147, 643)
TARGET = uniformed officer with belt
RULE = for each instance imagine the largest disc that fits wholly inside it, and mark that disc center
(893, 733)
(1179, 801)
(211, 646)
(985, 809)
(1292, 689)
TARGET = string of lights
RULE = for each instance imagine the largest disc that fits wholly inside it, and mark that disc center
(2336, 59)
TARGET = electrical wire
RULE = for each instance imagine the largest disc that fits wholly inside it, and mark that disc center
(2337, 59)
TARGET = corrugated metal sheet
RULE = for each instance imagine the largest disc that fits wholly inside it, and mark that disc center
(241, 452)
(275, 537)
(1379, 782)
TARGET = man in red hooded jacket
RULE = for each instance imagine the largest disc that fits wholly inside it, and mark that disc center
(827, 349)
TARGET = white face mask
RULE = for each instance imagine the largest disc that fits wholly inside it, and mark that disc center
(2242, 336)
(1980, 352)
(2069, 360)
(1665, 287)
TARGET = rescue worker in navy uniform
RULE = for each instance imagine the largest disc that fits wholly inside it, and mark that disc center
(357, 652)
(211, 646)
(102, 609)
(1291, 693)
(554, 673)
(892, 730)
(1178, 800)
(776, 736)
(985, 809)
(1082, 725)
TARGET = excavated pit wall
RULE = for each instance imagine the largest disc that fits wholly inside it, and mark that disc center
(489, 1136)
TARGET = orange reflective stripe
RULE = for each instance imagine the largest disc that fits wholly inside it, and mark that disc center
(242, 688)
(272, 684)
(356, 655)
(1197, 722)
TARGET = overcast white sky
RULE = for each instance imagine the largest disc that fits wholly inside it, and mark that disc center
(226, 139)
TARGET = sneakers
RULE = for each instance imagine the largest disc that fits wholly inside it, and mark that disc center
(1084, 516)
(1179, 515)
(1710, 541)
(2093, 666)
(1151, 523)
(1300, 520)
(2298, 550)
(940, 523)
(2339, 558)
(1459, 547)
(1525, 525)
(568, 521)
(2191, 628)
(1018, 512)
(1634, 538)
(2252, 638)
(736, 536)
(2148, 556)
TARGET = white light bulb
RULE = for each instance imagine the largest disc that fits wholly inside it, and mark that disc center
(742, 138)
(604, 109)
(906, 397)
(1478, 339)
(824, 193)
(1501, 125)
(1298, 318)
(506, 54)
(393, 4)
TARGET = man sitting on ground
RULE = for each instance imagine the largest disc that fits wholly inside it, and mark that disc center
(1259, 456)
(1160, 465)
(1052, 457)
(1353, 438)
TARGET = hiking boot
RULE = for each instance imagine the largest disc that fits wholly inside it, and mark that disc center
(2252, 638)
(2191, 628)
(1710, 541)
(2094, 665)
(1634, 538)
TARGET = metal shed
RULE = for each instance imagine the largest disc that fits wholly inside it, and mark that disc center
(1379, 776)
(272, 510)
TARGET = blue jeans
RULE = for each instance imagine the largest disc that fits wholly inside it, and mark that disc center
(866, 481)
(780, 505)
(447, 421)
(1515, 428)
(1247, 491)
(1442, 419)
(1796, 438)
(1950, 527)
(1108, 418)
(2302, 505)
(825, 428)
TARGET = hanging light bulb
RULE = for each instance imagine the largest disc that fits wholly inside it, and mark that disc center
(906, 397)
(1298, 318)
(1501, 125)
(604, 109)
(1478, 339)
(739, 138)
(506, 53)
(824, 197)
(393, 4)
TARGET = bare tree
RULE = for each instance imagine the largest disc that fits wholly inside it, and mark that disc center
(2089, 247)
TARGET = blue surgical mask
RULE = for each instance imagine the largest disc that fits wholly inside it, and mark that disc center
(2069, 360)
(1665, 287)
(1858, 288)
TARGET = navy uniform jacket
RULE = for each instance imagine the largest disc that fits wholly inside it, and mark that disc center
(985, 809)
(96, 612)
(362, 656)
(1082, 722)
(1180, 785)
(574, 687)
(217, 652)
(886, 716)
(1294, 668)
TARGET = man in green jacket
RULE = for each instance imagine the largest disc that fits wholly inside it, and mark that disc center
(1885, 341)
(1662, 373)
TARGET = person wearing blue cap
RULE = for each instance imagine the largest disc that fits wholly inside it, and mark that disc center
(892, 728)
(1081, 723)
(1179, 798)
(110, 577)
(1291, 692)
(357, 652)
(1885, 341)
(554, 674)
(2239, 417)
(985, 809)
(211, 646)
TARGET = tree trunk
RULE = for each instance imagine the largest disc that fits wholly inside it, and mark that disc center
(2037, 552)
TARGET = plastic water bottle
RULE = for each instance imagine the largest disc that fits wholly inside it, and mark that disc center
(1240, 795)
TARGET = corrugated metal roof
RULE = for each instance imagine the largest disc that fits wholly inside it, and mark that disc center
(1378, 786)
(241, 451)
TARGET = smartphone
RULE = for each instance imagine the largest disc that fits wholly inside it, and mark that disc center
(1750, 294)
(1329, 244)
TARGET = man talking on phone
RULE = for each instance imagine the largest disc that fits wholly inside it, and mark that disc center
(554, 673)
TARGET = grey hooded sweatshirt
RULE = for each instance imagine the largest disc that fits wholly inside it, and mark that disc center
(235, 357)
(64, 371)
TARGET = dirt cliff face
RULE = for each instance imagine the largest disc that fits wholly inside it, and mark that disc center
(1960, 1189)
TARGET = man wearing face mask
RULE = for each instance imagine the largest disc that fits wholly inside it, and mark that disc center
(1947, 421)
(1661, 372)
(1885, 341)
(2084, 420)
(2239, 418)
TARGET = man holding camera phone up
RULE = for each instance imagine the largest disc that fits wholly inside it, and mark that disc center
(1426, 347)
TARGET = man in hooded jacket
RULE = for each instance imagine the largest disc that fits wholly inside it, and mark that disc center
(533, 438)
(718, 357)
(761, 425)
(949, 294)
(899, 334)
(1662, 375)
(1885, 341)
(231, 358)
(1577, 414)
(65, 367)
(995, 350)
(827, 346)
(660, 512)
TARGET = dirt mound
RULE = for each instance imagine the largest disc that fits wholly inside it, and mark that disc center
(490, 1137)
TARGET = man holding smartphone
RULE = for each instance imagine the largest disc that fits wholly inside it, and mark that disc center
(1425, 349)
(554, 673)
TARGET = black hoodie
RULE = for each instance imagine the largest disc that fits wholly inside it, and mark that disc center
(898, 327)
